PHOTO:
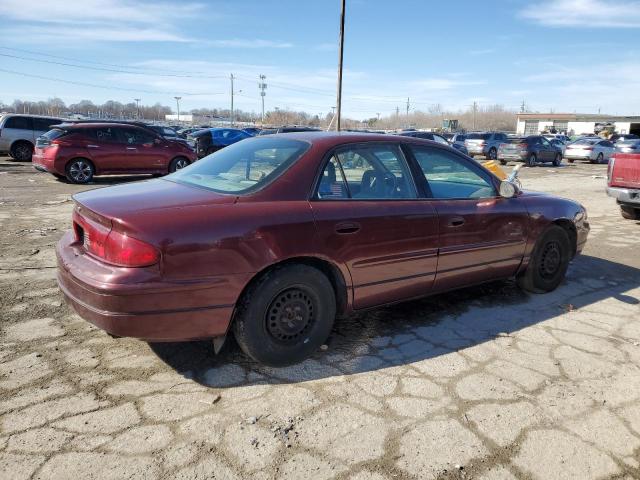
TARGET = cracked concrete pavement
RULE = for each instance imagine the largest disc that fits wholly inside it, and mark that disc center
(486, 383)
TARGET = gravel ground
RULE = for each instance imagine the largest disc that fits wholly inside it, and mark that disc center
(486, 383)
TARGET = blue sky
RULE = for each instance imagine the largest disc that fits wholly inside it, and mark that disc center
(565, 55)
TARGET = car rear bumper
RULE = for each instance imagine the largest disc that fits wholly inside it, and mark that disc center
(625, 196)
(154, 310)
(577, 156)
(512, 156)
(43, 163)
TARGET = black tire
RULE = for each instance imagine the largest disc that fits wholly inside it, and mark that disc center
(599, 158)
(80, 170)
(549, 262)
(178, 163)
(557, 160)
(503, 162)
(22, 151)
(571, 160)
(532, 160)
(263, 325)
(630, 213)
(493, 154)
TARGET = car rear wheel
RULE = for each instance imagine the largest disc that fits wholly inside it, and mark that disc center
(557, 160)
(22, 151)
(532, 160)
(549, 262)
(178, 163)
(570, 160)
(80, 170)
(493, 154)
(630, 213)
(285, 315)
(503, 162)
(600, 158)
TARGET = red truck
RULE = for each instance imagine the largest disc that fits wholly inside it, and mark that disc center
(623, 183)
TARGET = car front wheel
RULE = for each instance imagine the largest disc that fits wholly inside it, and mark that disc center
(549, 262)
(286, 315)
(532, 160)
(558, 160)
(493, 154)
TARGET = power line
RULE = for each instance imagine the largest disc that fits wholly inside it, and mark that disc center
(109, 87)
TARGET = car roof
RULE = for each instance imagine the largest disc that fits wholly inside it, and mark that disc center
(84, 125)
(329, 139)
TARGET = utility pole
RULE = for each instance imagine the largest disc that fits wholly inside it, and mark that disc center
(232, 116)
(340, 58)
(408, 105)
(523, 107)
(378, 114)
(262, 86)
(475, 108)
(137, 108)
(178, 106)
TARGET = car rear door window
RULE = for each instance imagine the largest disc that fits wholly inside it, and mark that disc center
(44, 124)
(448, 176)
(107, 134)
(19, 123)
(367, 172)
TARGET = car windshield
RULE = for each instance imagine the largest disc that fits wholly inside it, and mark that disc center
(478, 136)
(242, 167)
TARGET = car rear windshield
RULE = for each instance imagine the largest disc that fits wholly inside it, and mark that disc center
(587, 141)
(244, 166)
(478, 136)
(54, 133)
(515, 140)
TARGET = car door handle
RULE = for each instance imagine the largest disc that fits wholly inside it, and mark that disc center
(132, 148)
(347, 227)
(456, 222)
(93, 146)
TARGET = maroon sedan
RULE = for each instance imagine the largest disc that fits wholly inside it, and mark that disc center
(275, 236)
(80, 151)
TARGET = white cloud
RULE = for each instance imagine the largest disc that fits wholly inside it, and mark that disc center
(44, 21)
(249, 43)
(584, 13)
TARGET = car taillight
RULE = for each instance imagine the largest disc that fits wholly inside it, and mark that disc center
(113, 247)
(522, 145)
(612, 161)
(588, 148)
(61, 143)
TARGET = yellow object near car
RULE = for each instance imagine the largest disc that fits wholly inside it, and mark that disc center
(494, 168)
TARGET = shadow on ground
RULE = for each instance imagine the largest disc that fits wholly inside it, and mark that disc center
(414, 331)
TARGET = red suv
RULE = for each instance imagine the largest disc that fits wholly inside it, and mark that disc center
(80, 151)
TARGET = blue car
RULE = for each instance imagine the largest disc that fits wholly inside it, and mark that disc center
(213, 139)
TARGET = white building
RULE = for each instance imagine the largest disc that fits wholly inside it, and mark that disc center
(575, 123)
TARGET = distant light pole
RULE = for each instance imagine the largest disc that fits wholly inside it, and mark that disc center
(340, 58)
(262, 86)
(137, 108)
(178, 106)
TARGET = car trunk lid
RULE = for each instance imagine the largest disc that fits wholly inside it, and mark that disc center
(624, 170)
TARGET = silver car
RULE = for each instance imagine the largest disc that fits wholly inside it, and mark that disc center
(18, 133)
(486, 144)
(628, 146)
(592, 149)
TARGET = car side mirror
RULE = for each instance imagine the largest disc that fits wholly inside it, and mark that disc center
(508, 189)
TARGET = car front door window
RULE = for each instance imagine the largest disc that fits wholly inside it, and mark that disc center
(448, 176)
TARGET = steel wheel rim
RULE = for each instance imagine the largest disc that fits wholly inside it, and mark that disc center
(550, 260)
(493, 154)
(290, 316)
(80, 171)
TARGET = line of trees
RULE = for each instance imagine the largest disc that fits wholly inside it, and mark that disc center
(492, 117)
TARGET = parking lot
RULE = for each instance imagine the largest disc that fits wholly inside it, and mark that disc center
(485, 383)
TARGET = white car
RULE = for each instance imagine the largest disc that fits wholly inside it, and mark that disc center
(592, 149)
